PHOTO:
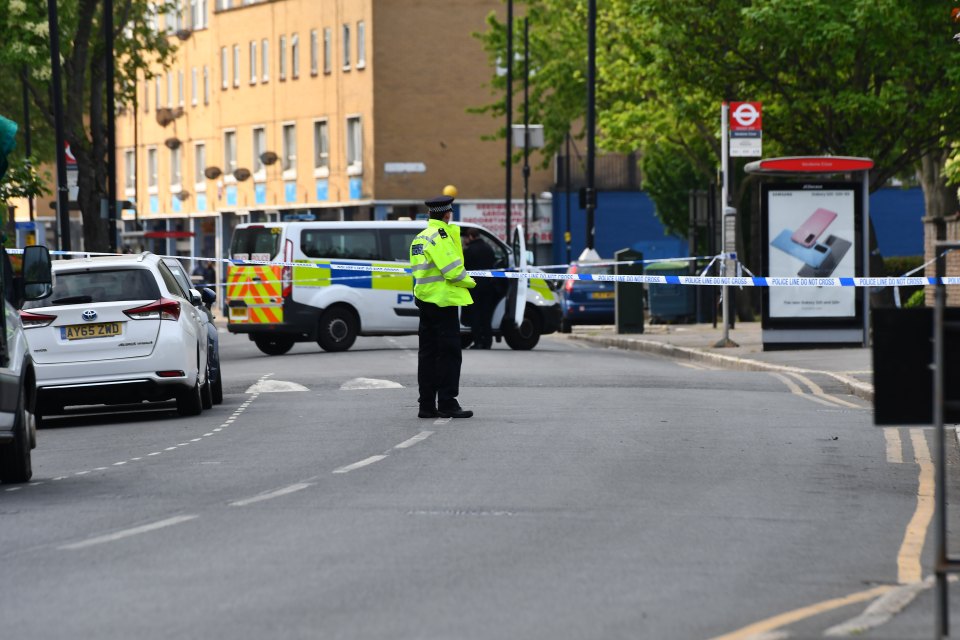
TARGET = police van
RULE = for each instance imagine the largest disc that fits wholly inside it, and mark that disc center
(320, 290)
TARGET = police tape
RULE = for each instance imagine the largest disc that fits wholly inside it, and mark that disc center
(735, 281)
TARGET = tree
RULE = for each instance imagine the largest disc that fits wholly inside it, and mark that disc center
(873, 78)
(138, 47)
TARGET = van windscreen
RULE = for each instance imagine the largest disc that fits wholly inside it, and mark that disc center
(256, 243)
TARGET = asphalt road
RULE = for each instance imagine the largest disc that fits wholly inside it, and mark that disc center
(596, 494)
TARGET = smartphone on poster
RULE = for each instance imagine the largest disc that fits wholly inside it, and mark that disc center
(813, 256)
(815, 225)
(838, 249)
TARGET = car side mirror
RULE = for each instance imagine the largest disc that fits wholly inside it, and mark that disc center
(37, 277)
(195, 298)
(209, 296)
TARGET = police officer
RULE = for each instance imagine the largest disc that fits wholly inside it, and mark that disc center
(478, 256)
(440, 284)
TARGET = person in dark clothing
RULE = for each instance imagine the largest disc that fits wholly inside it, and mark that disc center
(479, 256)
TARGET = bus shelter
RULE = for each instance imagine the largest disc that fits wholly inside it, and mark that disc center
(815, 223)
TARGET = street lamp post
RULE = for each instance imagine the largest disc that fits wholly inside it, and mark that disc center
(509, 110)
(63, 213)
(591, 195)
(111, 126)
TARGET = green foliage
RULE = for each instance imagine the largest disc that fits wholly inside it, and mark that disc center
(669, 175)
(139, 48)
(916, 299)
(900, 265)
(22, 180)
(872, 78)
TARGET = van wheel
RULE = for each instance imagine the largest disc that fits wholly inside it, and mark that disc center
(274, 346)
(338, 329)
(15, 463)
(527, 335)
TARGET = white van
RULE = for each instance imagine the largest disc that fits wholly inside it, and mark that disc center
(329, 300)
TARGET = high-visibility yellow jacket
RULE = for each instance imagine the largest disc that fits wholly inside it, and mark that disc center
(436, 261)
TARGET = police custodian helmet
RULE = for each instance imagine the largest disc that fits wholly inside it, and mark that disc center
(440, 204)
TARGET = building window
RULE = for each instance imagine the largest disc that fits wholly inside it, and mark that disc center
(289, 150)
(265, 60)
(327, 50)
(229, 153)
(236, 65)
(152, 167)
(282, 54)
(200, 166)
(169, 88)
(253, 62)
(130, 170)
(175, 179)
(361, 45)
(354, 146)
(206, 85)
(314, 52)
(259, 146)
(174, 19)
(346, 47)
(198, 14)
(224, 82)
(321, 149)
(156, 91)
(193, 86)
(295, 56)
(146, 96)
(180, 96)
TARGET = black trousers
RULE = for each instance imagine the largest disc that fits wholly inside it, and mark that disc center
(484, 299)
(440, 356)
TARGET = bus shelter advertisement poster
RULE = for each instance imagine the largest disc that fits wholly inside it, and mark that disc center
(811, 234)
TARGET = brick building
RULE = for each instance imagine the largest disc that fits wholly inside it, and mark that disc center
(335, 109)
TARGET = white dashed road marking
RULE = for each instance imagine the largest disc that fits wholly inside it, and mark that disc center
(357, 465)
(273, 494)
(126, 533)
(369, 383)
(420, 437)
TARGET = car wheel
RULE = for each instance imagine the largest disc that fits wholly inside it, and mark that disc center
(217, 389)
(206, 393)
(189, 402)
(274, 346)
(527, 335)
(565, 326)
(15, 463)
(338, 329)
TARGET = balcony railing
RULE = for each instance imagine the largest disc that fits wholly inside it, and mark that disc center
(612, 172)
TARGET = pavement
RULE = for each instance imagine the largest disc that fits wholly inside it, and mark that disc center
(851, 367)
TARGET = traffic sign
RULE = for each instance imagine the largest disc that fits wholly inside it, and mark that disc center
(746, 129)
(745, 116)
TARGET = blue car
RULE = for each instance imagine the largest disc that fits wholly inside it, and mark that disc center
(587, 301)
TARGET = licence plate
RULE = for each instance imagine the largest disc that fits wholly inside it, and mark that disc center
(84, 331)
(602, 295)
(238, 313)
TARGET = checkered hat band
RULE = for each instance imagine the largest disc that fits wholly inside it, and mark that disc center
(441, 208)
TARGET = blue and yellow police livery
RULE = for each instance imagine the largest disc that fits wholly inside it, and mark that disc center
(304, 281)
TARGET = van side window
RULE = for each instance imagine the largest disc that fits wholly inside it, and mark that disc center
(353, 244)
(499, 250)
(396, 244)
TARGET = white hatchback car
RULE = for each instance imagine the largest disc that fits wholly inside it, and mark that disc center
(117, 330)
